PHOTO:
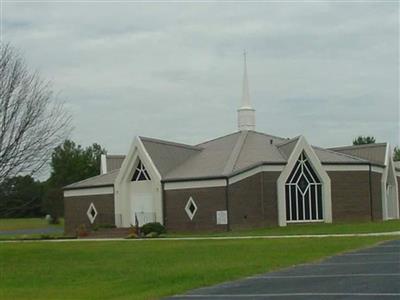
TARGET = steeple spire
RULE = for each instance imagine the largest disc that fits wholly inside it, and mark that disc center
(246, 114)
(245, 94)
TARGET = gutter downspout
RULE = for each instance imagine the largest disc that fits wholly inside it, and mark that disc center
(228, 227)
(370, 192)
(164, 218)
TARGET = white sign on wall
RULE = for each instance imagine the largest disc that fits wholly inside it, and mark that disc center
(222, 217)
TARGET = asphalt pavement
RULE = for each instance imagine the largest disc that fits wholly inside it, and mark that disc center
(370, 273)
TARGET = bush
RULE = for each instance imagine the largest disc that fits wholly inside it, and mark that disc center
(153, 227)
(81, 231)
(152, 235)
(132, 236)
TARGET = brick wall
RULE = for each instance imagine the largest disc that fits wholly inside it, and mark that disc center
(208, 201)
(253, 201)
(75, 209)
(351, 196)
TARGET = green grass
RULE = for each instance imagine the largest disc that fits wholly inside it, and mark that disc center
(25, 223)
(149, 269)
(311, 228)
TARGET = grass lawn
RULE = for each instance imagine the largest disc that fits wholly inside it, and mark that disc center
(310, 228)
(149, 269)
(26, 223)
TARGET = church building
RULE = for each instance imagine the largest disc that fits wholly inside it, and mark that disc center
(246, 179)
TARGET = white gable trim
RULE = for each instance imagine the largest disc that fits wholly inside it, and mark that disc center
(122, 191)
(106, 190)
(302, 145)
(389, 165)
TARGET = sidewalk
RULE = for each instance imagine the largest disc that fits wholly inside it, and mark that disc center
(393, 233)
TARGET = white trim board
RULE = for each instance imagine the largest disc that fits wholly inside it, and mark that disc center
(194, 184)
(105, 190)
(330, 168)
(254, 171)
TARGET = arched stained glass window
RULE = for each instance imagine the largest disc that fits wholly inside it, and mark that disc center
(303, 192)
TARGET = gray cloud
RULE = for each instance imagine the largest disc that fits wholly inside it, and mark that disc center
(326, 70)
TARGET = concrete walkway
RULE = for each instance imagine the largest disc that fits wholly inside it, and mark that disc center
(370, 273)
(393, 233)
(46, 230)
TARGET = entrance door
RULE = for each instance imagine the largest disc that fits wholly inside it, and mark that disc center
(142, 208)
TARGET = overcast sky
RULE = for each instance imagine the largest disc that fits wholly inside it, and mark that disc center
(174, 70)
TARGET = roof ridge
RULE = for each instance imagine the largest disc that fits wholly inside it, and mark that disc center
(288, 141)
(269, 135)
(212, 140)
(159, 141)
(340, 153)
(359, 146)
(237, 149)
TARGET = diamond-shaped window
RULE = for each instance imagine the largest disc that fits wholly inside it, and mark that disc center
(191, 208)
(303, 183)
(91, 213)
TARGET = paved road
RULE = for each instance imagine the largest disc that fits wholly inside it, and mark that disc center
(371, 273)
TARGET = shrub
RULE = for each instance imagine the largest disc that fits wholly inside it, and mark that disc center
(153, 227)
(132, 236)
(152, 235)
(81, 231)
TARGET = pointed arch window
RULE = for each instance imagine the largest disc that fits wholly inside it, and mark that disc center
(140, 173)
(303, 190)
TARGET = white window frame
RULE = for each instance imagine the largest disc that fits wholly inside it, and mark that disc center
(294, 184)
(187, 208)
(141, 169)
(88, 213)
(302, 145)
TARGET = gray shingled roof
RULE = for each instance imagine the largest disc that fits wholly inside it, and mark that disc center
(167, 155)
(375, 153)
(232, 154)
(107, 179)
(209, 162)
(242, 150)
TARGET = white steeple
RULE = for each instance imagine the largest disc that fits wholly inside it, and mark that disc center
(246, 114)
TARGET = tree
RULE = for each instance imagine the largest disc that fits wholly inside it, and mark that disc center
(396, 154)
(70, 163)
(362, 140)
(21, 196)
(32, 124)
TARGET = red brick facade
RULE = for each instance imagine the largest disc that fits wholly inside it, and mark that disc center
(252, 202)
(352, 196)
(75, 209)
(208, 202)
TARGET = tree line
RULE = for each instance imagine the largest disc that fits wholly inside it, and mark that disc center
(24, 196)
